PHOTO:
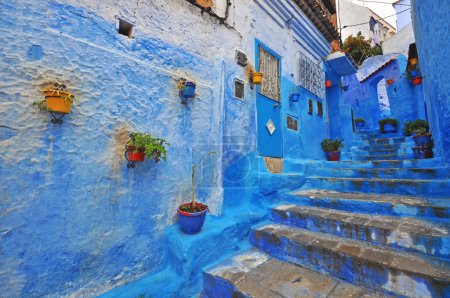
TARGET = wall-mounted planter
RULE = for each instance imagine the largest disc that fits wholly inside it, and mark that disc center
(135, 155)
(294, 97)
(186, 90)
(328, 83)
(57, 102)
(257, 78)
(417, 81)
(390, 81)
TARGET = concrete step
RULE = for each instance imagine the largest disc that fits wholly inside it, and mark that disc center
(407, 234)
(365, 146)
(389, 173)
(256, 274)
(415, 187)
(370, 137)
(405, 163)
(381, 151)
(382, 157)
(380, 204)
(357, 262)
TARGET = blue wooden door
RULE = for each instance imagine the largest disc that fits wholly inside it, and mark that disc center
(268, 103)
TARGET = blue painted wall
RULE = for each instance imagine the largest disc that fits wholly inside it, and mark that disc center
(405, 99)
(75, 220)
(430, 29)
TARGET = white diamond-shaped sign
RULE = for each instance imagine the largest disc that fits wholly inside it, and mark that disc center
(270, 126)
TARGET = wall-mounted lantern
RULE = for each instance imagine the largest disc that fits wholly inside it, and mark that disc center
(328, 83)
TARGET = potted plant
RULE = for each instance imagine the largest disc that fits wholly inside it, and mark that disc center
(422, 137)
(257, 78)
(191, 216)
(409, 127)
(56, 100)
(294, 96)
(186, 90)
(417, 81)
(388, 125)
(142, 144)
(332, 148)
(360, 122)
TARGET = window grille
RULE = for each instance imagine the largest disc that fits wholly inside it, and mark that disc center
(312, 76)
(269, 66)
(310, 107)
(319, 109)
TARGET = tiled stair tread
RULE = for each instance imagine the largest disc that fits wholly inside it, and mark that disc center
(406, 262)
(256, 274)
(399, 224)
(371, 197)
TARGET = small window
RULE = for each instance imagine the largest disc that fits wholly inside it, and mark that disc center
(238, 89)
(319, 109)
(125, 28)
(292, 123)
(310, 107)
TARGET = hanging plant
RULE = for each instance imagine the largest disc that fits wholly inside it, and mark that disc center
(57, 100)
(141, 145)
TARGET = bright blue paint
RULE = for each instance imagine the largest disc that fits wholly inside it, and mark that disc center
(429, 31)
(268, 109)
(35, 53)
(192, 224)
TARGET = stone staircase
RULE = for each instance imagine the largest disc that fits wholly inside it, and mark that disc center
(374, 225)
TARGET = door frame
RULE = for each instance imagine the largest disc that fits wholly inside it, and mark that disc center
(259, 43)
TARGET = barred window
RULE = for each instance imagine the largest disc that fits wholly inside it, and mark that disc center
(312, 76)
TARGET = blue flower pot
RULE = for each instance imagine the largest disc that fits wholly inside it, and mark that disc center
(294, 97)
(389, 128)
(188, 90)
(423, 140)
(192, 223)
(422, 152)
(413, 73)
(359, 124)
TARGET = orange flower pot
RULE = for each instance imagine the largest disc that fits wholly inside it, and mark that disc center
(134, 155)
(417, 81)
(257, 78)
(328, 83)
(58, 101)
(390, 81)
(413, 61)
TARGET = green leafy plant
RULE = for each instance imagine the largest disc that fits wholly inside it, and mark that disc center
(421, 131)
(359, 48)
(154, 148)
(330, 145)
(360, 120)
(58, 89)
(409, 127)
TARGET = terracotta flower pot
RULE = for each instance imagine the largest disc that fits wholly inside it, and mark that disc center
(417, 81)
(58, 101)
(136, 156)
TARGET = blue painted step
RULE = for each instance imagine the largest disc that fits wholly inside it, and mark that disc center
(389, 173)
(357, 262)
(382, 157)
(403, 233)
(392, 205)
(405, 163)
(415, 187)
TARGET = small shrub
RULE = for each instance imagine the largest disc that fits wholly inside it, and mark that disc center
(360, 120)
(330, 145)
(409, 127)
(391, 121)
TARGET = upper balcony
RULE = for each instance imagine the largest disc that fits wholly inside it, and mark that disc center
(323, 15)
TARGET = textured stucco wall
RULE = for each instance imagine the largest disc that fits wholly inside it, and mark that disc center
(74, 219)
(405, 99)
(430, 29)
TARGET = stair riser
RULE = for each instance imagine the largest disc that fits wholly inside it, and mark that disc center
(399, 151)
(402, 173)
(216, 287)
(383, 144)
(419, 243)
(437, 188)
(380, 208)
(382, 157)
(341, 265)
